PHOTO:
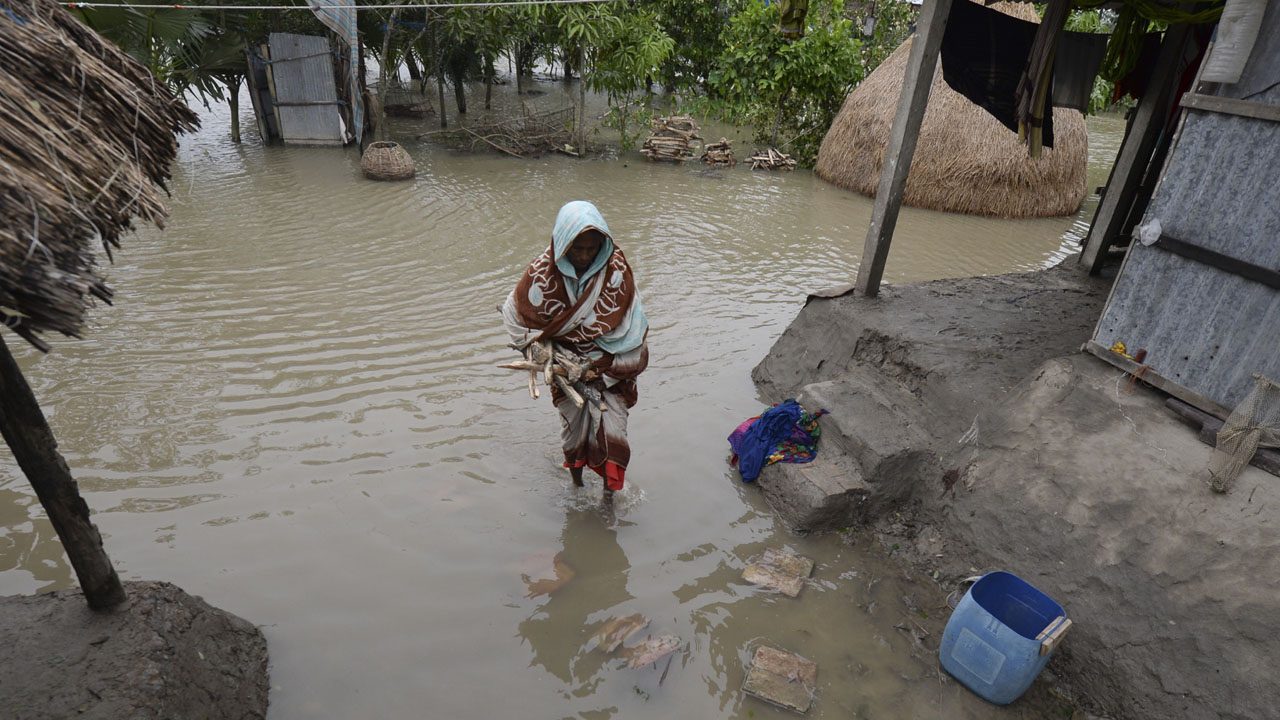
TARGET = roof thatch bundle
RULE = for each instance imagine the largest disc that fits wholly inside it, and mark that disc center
(86, 134)
(965, 160)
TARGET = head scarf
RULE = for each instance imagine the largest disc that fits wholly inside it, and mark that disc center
(601, 307)
(573, 219)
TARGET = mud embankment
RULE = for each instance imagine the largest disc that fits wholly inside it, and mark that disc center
(968, 430)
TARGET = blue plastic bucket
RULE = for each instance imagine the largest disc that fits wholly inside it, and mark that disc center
(990, 642)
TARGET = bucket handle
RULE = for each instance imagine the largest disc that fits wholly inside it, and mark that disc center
(1051, 636)
(959, 587)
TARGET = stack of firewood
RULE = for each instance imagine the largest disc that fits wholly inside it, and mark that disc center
(671, 139)
(770, 159)
(719, 154)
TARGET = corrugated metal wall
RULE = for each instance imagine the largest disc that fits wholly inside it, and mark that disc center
(302, 71)
(1205, 329)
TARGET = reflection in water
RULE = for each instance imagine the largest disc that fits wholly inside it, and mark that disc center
(598, 568)
(29, 542)
(293, 410)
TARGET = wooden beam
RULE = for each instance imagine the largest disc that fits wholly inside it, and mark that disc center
(921, 64)
(1135, 152)
(24, 427)
(1231, 106)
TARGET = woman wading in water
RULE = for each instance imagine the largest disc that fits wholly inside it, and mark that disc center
(581, 295)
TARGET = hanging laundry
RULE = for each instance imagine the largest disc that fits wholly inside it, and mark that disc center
(983, 54)
(785, 432)
(1075, 66)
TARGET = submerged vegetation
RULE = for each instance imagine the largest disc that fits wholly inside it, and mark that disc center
(732, 59)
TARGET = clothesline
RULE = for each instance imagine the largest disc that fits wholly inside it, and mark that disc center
(391, 6)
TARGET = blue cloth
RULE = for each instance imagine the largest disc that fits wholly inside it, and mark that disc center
(774, 426)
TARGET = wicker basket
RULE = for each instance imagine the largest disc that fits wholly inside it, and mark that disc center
(386, 161)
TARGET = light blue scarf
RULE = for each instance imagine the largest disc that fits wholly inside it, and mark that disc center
(573, 219)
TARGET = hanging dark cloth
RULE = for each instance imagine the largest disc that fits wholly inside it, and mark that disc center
(1075, 65)
(984, 52)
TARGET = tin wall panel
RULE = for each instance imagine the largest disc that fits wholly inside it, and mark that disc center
(1203, 328)
(302, 68)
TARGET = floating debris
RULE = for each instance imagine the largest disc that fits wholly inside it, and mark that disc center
(780, 571)
(719, 154)
(653, 649)
(671, 139)
(770, 159)
(419, 109)
(546, 575)
(619, 630)
(782, 678)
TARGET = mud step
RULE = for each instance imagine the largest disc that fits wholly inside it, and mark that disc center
(825, 494)
(874, 421)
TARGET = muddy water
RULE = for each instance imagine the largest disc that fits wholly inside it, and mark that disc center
(293, 411)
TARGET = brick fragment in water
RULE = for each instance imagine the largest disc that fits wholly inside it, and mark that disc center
(653, 649)
(788, 563)
(619, 630)
(782, 678)
(771, 578)
(780, 571)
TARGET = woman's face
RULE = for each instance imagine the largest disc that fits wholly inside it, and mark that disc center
(584, 249)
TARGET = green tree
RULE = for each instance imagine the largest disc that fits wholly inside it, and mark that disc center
(797, 86)
(192, 52)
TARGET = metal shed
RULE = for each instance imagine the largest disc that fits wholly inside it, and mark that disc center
(1196, 303)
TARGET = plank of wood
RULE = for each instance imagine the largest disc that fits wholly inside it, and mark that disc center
(1267, 459)
(1231, 106)
(1135, 152)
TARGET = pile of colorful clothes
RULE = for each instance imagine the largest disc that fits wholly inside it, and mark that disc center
(785, 432)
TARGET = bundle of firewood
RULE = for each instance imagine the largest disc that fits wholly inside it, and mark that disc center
(671, 139)
(557, 367)
(770, 159)
(719, 154)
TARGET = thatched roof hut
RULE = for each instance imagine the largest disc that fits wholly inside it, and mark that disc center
(86, 134)
(965, 160)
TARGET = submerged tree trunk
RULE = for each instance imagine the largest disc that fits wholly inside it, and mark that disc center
(414, 72)
(459, 92)
(519, 70)
(489, 76)
(444, 114)
(384, 74)
(582, 100)
(233, 99)
(24, 427)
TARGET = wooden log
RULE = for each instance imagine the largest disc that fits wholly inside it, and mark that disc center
(1267, 459)
(569, 392)
(25, 429)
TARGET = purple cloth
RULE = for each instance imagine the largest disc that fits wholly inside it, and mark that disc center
(761, 436)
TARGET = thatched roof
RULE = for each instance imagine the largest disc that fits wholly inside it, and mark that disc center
(86, 134)
(965, 160)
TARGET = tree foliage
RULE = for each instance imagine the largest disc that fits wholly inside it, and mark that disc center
(765, 80)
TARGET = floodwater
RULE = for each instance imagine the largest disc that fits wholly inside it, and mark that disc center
(293, 410)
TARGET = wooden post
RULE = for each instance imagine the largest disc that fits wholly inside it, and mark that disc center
(1135, 152)
(24, 427)
(921, 64)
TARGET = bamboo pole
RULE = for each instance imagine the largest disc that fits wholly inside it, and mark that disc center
(25, 429)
